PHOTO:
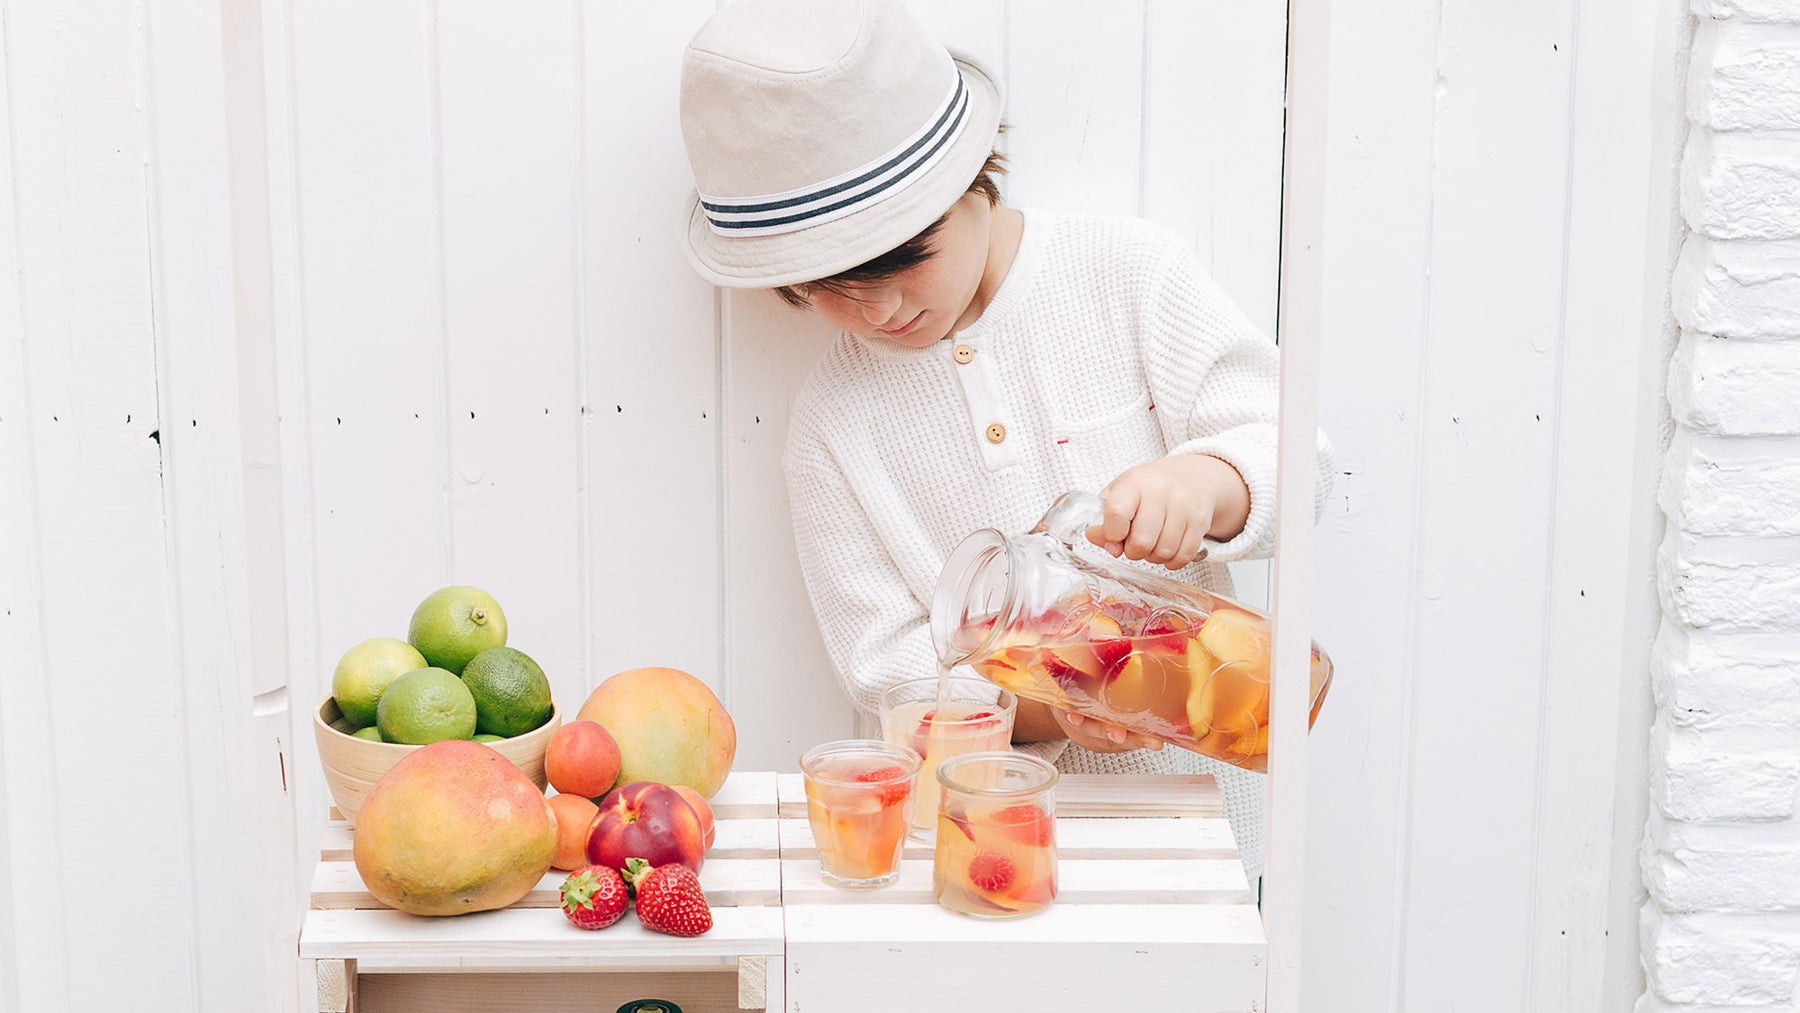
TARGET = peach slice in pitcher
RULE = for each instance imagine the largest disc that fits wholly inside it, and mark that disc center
(1150, 683)
(1236, 637)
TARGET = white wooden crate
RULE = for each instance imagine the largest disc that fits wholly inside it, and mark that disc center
(1152, 906)
(372, 959)
(1152, 912)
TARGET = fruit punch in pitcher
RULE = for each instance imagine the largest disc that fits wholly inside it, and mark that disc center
(1111, 642)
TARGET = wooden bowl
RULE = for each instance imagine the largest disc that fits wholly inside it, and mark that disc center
(353, 765)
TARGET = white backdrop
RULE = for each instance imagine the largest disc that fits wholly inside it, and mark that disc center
(314, 307)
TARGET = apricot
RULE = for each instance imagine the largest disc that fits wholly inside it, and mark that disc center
(574, 818)
(582, 759)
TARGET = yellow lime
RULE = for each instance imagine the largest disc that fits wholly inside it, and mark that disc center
(485, 737)
(453, 624)
(372, 733)
(425, 706)
(364, 673)
(512, 696)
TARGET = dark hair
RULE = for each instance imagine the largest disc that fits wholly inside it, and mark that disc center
(907, 255)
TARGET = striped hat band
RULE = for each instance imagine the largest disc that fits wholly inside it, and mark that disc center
(849, 192)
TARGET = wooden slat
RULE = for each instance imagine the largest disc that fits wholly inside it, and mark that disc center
(745, 794)
(1099, 925)
(733, 838)
(727, 882)
(534, 938)
(743, 811)
(1078, 881)
(1084, 838)
(1210, 956)
(565, 992)
(1133, 795)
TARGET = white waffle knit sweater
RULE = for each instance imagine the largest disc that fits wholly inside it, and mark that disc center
(1106, 346)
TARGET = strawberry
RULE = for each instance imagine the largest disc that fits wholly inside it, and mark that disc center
(893, 793)
(1027, 824)
(991, 871)
(1167, 631)
(594, 897)
(669, 899)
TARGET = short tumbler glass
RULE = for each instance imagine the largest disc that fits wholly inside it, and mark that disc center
(859, 797)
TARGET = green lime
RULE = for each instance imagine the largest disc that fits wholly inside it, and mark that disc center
(512, 696)
(372, 733)
(485, 737)
(365, 672)
(454, 624)
(425, 706)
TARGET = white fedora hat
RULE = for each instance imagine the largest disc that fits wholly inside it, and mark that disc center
(822, 134)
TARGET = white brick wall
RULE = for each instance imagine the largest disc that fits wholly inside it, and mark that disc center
(1721, 855)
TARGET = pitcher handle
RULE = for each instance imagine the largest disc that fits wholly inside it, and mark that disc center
(1069, 518)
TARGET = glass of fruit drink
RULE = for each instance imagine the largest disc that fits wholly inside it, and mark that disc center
(859, 797)
(973, 716)
(995, 855)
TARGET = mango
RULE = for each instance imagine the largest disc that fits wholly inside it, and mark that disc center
(669, 728)
(453, 828)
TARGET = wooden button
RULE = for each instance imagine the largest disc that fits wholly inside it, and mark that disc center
(996, 433)
(963, 353)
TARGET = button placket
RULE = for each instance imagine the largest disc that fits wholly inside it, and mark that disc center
(977, 375)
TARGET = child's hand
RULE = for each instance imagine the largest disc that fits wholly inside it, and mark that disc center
(1101, 736)
(1161, 509)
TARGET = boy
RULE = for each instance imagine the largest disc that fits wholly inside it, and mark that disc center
(991, 358)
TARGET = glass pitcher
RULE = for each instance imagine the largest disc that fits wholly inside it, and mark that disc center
(1108, 641)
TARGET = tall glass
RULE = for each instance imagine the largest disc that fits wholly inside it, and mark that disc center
(859, 796)
(995, 855)
(976, 715)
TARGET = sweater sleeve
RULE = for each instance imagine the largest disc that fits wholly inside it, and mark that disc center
(875, 630)
(1215, 377)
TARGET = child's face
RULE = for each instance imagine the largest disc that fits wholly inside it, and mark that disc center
(931, 300)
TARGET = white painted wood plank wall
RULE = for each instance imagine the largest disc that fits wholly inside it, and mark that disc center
(467, 350)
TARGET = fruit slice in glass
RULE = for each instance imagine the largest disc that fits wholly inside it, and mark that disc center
(859, 797)
(975, 716)
(995, 854)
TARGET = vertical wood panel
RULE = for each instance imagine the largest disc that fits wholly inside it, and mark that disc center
(1484, 540)
(1212, 140)
(363, 135)
(1373, 355)
(508, 142)
(652, 428)
(277, 871)
(1212, 158)
(108, 747)
(285, 724)
(785, 696)
(32, 969)
(1075, 85)
(193, 286)
(1602, 611)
